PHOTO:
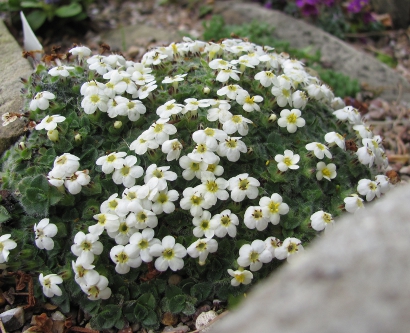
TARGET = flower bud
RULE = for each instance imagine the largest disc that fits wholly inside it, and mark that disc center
(206, 90)
(53, 135)
(22, 145)
(272, 118)
(118, 124)
(78, 137)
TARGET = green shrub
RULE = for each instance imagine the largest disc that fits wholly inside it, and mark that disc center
(124, 159)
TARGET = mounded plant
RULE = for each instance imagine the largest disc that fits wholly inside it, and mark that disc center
(150, 187)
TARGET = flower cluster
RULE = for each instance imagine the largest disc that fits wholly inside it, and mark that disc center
(65, 172)
(187, 170)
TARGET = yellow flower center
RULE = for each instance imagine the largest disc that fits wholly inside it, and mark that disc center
(125, 170)
(143, 244)
(95, 99)
(209, 131)
(162, 198)
(211, 167)
(111, 158)
(240, 278)
(287, 161)
(225, 220)
(320, 146)
(158, 128)
(201, 148)
(274, 207)
(122, 257)
(292, 248)
(158, 173)
(201, 246)
(86, 246)
(123, 228)
(168, 254)
(326, 172)
(243, 184)
(113, 204)
(204, 224)
(130, 105)
(211, 186)
(254, 256)
(231, 143)
(286, 93)
(327, 217)
(237, 119)
(292, 118)
(141, 217)
(196, 200)
(257, 214)
(249, 100)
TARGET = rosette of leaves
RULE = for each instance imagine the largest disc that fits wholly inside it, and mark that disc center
(144, 294)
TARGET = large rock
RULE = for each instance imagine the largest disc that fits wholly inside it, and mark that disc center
(354, 279)
(12, 67)
(299, 34)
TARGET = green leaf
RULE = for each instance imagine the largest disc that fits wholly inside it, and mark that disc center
(69, 10)
(147, 300)
(41, 183)
(108, 317)
(36, 19)
(4, 215)
(35, 195)
(150, 319)
(177, 303)
(31, 4)
(201, 290)
(140, 312)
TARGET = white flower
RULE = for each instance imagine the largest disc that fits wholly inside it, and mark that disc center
(216, 169)
(319, 150)
(44, 232)
(210, 137)
(335, 138)
(192, 104)
(353, 203)
(84, 271)
(244, 277)
(224, 223)
(348, 113)
(172, 148)
(163, 201)
(80, 52)
(174, 79)
(243, 186)
(249, 103)
(283, 93)
(203, 153)
(368, 188)
(97, 290)
(287, 161)
(90, 103)
(142, 144)
(213, 188)
(231, 91)
(157, 177)
(272, 243)
(192, 168)
(321, 220)
(125, 257)
(202, 225)
(169, 254)
(219, 111)
(145, 90)
(289, 249)
(236, 123)
(218, 64)
(232, 148)
(291, 120)
(65, 165)
(92, 87)
(366, 156)
(273, 207)
(109, 222)
(49, 284)
(41, 100)
(226, 73)
(125, 230)
(194, 201)
(86, 246)
(127, 174)
(111, 161)
(325, 171)
(141, 218)
(201, 248)
(255, 217)
(254, 255)
(169, 109)
(6, 244)
(76, 181)
(384, 183)
(97, 63)
(299, 99)
(363, 131)
(50, 122)
(144, 241)
(266, 78)
(160, 131)
(60, 71)
(115, 205)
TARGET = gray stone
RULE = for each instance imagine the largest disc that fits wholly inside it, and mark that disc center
(353, 279)
(140, 35)
(299, 34)
(12, 67)
(13, 319)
